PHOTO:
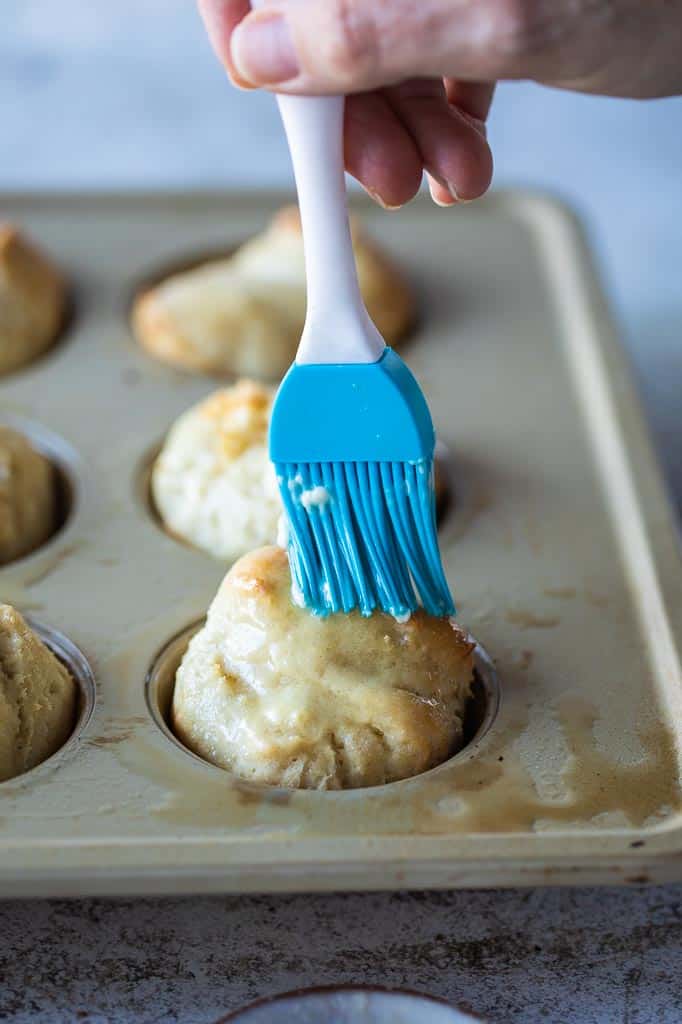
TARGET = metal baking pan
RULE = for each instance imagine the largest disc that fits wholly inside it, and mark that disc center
(559, 542)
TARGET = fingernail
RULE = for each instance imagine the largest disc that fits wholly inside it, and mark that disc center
(377, 199)
(239, 82)
(263, 49)
(437, 201)
(455, 195)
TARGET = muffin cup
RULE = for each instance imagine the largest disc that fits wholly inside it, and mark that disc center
(480, 712)
(68, 475)
(79, 668)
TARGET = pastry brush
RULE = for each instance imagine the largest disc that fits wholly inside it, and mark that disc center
(351, 435)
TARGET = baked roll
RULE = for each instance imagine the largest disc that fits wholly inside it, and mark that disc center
(244, 315)
(38, 698)
(281, 697)
(32, 300)
(28, 496)
(213, 484)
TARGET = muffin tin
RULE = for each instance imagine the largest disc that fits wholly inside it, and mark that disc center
(559, 542)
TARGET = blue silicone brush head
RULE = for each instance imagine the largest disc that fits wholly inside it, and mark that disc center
(353, 451)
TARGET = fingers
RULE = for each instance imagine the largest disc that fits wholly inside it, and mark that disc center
(344, 46)
(221, 17)
(472, 98)
(355, 46)
(318, 46)
(454, 150)
(379, 150)
(390, 136)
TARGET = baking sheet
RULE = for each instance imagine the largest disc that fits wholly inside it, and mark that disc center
(560, 546)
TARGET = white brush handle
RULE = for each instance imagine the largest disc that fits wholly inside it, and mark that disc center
(337, 326)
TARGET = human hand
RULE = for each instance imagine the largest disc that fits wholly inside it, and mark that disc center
(420, 74)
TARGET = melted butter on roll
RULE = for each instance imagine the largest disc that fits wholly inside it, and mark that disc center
(281, 697)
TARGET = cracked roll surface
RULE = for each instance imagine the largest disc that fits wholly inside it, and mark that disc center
(28, 496)
(37, 698)
(32, 300)
(244, 314)
(281, 697)
(213, 483)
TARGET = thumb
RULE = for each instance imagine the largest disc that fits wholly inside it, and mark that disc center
(355, 45)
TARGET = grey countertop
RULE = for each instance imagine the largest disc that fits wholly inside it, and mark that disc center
(539, 956)
(126, 94)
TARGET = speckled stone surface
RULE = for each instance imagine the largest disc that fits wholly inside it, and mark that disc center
(126, 94)
(532, 957)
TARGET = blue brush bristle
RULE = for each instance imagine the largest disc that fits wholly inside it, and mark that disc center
(363, 535)
(352, 446)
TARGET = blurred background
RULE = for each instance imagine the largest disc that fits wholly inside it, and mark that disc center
(128, 95)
